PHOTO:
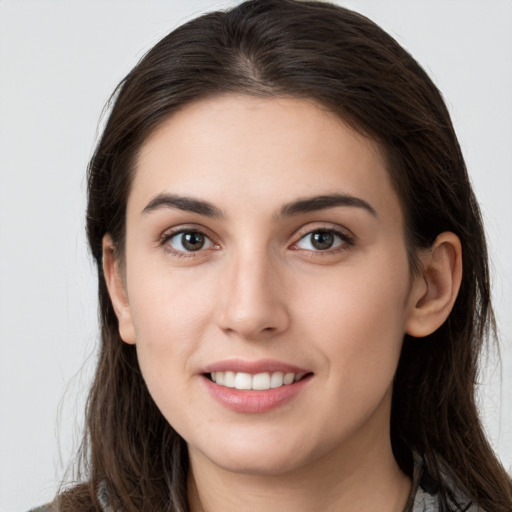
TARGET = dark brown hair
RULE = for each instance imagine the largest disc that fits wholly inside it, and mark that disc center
(349, 65)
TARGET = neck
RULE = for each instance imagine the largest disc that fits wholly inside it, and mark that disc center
(360, 476)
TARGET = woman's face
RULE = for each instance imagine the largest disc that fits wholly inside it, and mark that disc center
(265, 250)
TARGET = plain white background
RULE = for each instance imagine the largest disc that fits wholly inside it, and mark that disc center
(59, 61)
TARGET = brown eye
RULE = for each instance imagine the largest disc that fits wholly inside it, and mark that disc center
(189, 241)
(192, 241)
(322, 240)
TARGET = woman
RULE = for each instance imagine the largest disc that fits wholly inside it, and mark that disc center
(292, 275)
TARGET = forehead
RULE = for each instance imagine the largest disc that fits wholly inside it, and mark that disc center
(240, 149)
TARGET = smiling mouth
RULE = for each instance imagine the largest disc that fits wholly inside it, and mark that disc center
(256, 382)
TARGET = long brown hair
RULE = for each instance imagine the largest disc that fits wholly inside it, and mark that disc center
(352, 67)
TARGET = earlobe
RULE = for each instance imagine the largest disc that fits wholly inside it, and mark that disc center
(435, 291)
(116, 290)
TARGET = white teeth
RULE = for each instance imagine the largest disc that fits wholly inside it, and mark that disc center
(276, 381)
(229, 379)
(243, 381)
(259, 382)
(288, 378)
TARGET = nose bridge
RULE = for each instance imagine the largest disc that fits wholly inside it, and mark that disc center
(252, 304)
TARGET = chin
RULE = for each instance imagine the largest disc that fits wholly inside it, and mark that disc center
(257, 455)
(260, 464)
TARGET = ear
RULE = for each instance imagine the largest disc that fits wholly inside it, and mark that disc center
(116, 290)
(434, 292)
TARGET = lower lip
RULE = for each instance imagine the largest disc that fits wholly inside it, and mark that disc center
(251, 401)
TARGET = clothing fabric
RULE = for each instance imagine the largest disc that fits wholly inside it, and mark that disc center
(424, 496)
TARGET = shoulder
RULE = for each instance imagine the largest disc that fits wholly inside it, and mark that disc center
(80, 497)
(426, 492)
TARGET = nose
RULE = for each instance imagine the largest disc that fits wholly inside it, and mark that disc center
(253, 304)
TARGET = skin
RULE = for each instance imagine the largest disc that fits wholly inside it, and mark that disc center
(259, 289)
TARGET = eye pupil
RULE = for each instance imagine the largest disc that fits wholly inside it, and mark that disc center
(192, 241)
(322, 240)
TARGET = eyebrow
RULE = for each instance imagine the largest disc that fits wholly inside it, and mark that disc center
(310, 204)
(187, 204)
(322, 202)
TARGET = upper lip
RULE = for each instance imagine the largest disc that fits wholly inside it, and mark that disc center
(253, 367)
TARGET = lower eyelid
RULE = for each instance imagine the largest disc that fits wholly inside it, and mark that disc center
(345, 239)
(167, 237)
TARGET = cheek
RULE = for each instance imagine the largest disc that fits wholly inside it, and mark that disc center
(358, 317)
(171, 318)
(357, 329)
(168, 304)
(171, 314)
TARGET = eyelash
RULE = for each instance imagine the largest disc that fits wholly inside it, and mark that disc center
(346, 241)
(168, 236)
